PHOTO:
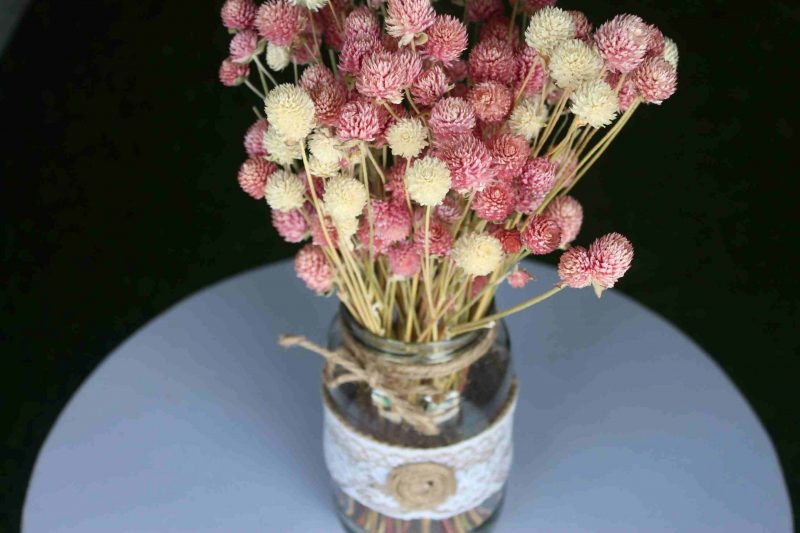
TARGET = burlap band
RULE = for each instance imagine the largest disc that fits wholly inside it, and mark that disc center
(394, 378)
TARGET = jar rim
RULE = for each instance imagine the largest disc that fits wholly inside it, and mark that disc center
(433, 352)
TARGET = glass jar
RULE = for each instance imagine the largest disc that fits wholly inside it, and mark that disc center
(392, 474)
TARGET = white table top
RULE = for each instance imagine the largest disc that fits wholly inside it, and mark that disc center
(199, 422)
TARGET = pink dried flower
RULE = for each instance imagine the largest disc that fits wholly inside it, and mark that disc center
(312, 267)
(314, 76)
(253, 176)
(541, 236)
(238, 14)
(359, 120)
(440, 241)
(568, 214)
(328, 102)
(509, 238)
(232, 74)
(279, 21)
(404, 259)
(395, 179)
(305, 49)
(291, 225)
(525, 59)
(381, 77)
(532, 6)
(361, 22)
(534, 182)
(333, 35)
(610, 257)
(451, 116)
(622, 42)
(655, 79)
(449, 210)
(655, 42)
(244, 45)
(430, 86)
(509, 153)
(406, 18)
(495, 202)
(627, 92)
(574, 269)
(497, 28)
(481, 10)
(409, 64)
(469, 162)
(456, 71)
(447, 38)
(354, 51)
(583, 28)
(317, 235)
(254, 139)
(491, 101)
(379, 245)
(519, 278)
(391, 219)
(478, 284)
(491, 59)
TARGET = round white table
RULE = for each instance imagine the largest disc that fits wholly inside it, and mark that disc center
(200, 422)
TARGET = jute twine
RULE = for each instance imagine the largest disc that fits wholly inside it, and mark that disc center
(360, 364)
(421, 486)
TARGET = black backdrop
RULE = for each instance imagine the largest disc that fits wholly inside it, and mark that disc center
(120, 148)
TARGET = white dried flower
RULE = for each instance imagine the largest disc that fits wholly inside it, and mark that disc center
(290, 110)
(326, 147)
(345, 228)
(279, 149)
(595, 103)
(284, 191)
(671, 52)
(407, 137)
(574, 62)
(311, 5)
(325, 169)
(478, 254)
(277, 57)
(548, 28)
(528, 118)
(344, 197)
(428, 181)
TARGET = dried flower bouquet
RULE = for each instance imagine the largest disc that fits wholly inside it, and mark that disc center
(425, 155)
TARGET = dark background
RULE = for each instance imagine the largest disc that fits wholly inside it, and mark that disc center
(120, 149)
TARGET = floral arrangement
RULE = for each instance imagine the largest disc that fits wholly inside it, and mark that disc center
(424, 155)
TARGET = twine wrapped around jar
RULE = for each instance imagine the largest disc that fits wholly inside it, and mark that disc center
(391, 377)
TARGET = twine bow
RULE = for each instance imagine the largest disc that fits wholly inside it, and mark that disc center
(360, 365)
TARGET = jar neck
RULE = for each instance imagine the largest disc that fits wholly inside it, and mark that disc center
(398, 351)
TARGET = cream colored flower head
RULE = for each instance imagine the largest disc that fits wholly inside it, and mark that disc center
(344, 198)
(671, 52)
(478, 254)
(574, 62)
(428, 181)
(277, 57)
(284, 191)
(407, 137)
(326, 147)
(279, 149)
(595, 103)
(528, 118)
(290, 110)
(548, 28)
(345, 228)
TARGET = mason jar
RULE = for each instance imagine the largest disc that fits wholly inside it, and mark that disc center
(419, 438)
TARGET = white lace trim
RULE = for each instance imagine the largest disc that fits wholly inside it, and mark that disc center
(361, 466)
